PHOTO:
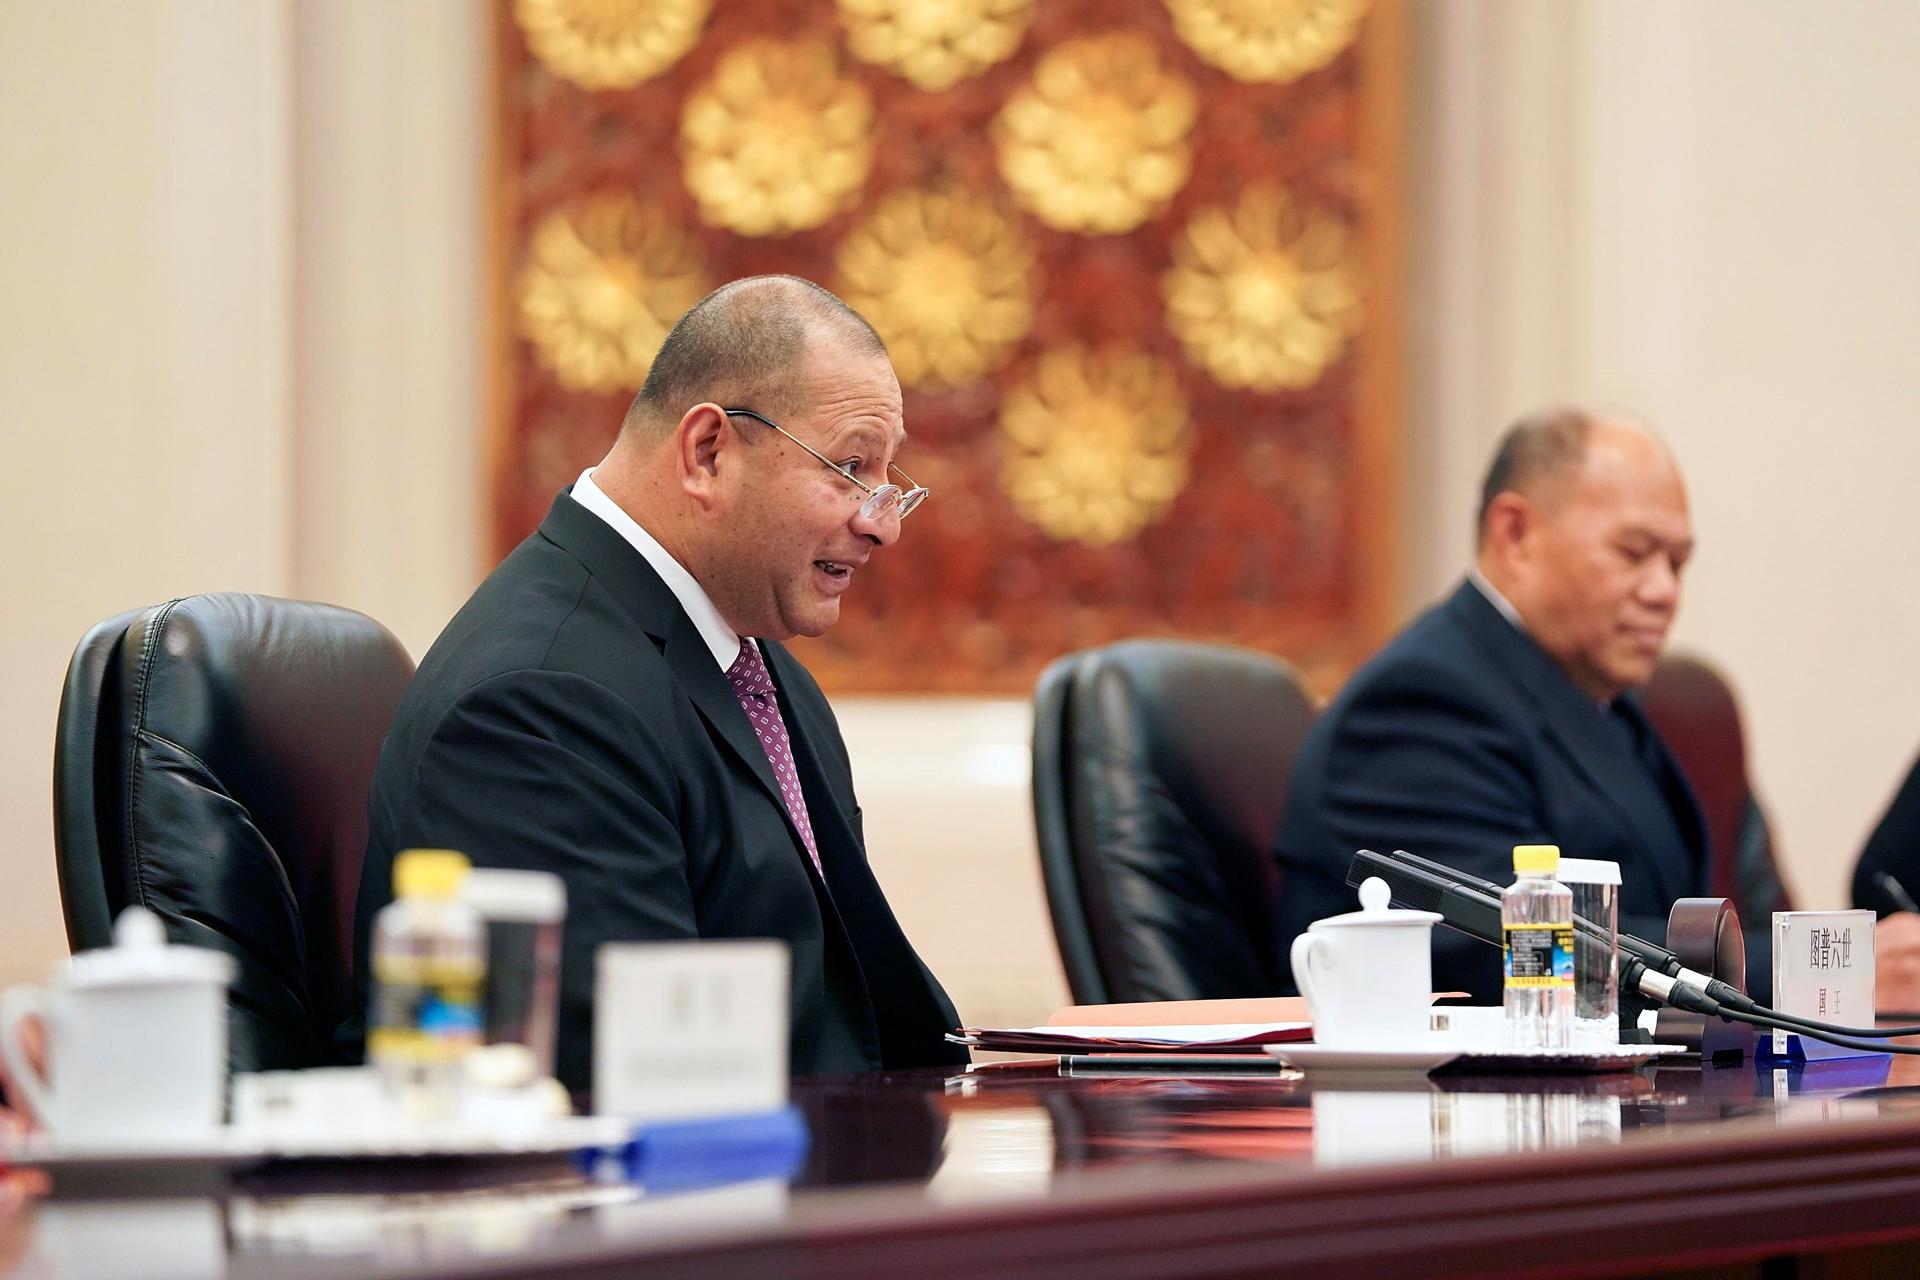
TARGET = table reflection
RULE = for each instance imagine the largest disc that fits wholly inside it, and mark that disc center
(165, 1237)
(398, 1229)
(995, 1151)
(993, 1134)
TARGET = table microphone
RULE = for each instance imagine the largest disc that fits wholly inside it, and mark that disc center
(1472, 906)
(1652, 955)
(1466, 907)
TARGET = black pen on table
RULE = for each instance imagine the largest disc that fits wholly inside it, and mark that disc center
(1896, 893)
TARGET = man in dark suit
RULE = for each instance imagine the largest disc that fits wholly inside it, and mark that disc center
(1503, 716)
(613, 704)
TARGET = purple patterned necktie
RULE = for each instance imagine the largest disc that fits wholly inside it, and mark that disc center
(753, 685)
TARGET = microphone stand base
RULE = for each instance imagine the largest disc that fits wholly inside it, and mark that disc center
(1705, 934)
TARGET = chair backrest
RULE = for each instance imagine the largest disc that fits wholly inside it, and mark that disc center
(1693, 707)
(211, 763)
(1160, 769)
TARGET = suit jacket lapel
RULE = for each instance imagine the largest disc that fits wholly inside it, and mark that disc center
(1579, 726)
(706, 684)
(912, 1010)
(633, 584)
(879, 943)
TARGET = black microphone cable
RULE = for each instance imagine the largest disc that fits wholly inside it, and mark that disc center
(1799, 1028)
(1685, 996)
(1815, 1024)
(1731, 998)
(1637, 951)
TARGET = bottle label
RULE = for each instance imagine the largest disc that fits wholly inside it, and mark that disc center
(424, 1010)
(1540, 956)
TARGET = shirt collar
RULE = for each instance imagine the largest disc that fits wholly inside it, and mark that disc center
(1494, 598)
(722, 640)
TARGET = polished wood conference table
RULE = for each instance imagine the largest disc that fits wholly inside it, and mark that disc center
(1025, 1171)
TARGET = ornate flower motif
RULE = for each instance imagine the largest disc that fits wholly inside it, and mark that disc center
(777, 140)
(1097, 443)
(1263, 295)
(1267, 41)
(935, 44)
(946, 278)
(602, 284)
(1096, 141)
(610, 44)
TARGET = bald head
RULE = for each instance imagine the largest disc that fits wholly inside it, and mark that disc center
(1584, 529)
(746, 343)
(769, 414)
(1537, 449)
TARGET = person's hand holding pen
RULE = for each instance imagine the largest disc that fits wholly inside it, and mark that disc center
(1896, 951)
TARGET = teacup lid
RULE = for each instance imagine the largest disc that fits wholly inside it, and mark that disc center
(1589, 871)
(140, 954)
(519, 897)
(1374, 911)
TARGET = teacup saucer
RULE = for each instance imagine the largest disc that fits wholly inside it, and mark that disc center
(215, 1142)
(187, 1160)
(1468, 1057)
(229, 1147)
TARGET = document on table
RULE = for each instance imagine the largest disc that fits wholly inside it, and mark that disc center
(1176, 1038)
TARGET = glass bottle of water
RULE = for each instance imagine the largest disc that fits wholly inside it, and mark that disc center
(428, 964)
(1536, 917)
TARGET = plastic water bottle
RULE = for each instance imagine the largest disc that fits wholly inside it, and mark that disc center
(428, 967)
(1536, 917)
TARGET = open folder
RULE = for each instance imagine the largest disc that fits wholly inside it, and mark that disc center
(1170, 1038)
(1158, 1027)
(1168, 1026)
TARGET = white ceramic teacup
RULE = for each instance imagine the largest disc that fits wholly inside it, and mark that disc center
(1368, 975)
(136, 1040)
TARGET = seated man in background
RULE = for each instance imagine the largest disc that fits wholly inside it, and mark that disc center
(613, 704)
(1503, 715)
(1884, 880)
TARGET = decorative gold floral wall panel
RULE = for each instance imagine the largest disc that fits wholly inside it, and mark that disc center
(1133, 261)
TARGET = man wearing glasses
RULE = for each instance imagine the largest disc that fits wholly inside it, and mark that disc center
(614, 704)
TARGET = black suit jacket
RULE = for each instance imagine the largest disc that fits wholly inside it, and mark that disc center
(1463, 738)
(571, 719)
(1893, 850)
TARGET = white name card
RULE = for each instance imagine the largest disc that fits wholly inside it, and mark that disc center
(689, 1029)
(1822, 969)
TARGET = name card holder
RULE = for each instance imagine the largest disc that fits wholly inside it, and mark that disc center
(689, 1030)
(1822, 969)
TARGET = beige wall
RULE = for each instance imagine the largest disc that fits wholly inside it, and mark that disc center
(390, 101)
(1705, 212)
(239, 349)
(1751, 276)
(145, 354)
(238, 337)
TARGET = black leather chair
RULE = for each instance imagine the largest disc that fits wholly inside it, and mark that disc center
(1159, 772)
(1693, 707)
(211, 763)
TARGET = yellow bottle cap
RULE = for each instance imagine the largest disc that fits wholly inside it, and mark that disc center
(1536, 859)
(429, 873)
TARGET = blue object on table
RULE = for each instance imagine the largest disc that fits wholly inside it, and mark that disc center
(680, 1155)
(1829, 1075)
(1797, 1052)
